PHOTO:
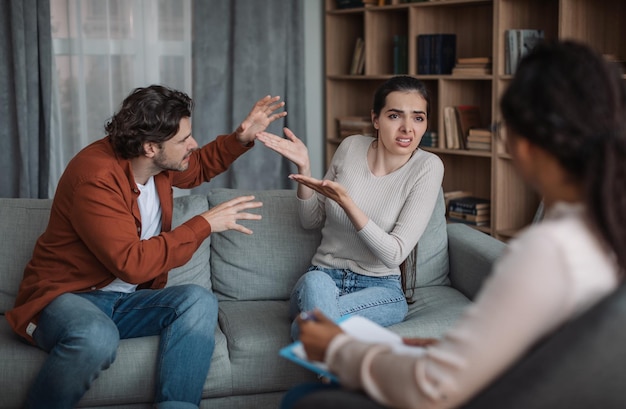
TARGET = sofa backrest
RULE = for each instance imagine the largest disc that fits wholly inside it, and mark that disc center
(21, 221)
(267, 264)
(261, 266)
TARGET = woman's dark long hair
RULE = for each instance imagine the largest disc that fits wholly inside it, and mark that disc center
(403, 83)
(150, 114)
(570, 101)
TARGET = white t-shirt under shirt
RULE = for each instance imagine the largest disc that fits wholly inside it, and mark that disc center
(150, 210)
(548, 275)
(399, 206)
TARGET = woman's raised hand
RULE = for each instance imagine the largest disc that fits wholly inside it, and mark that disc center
(291, 148)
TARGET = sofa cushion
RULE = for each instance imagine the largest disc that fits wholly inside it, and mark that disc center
(27, 219)
(255, 332)
(432, 250)
(22, 221)
(435, 309)
(198, 269)
(130, 379)
(266, 264)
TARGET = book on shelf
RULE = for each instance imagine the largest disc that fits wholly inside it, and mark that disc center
(475, 212)
(479, 139)
(353, 125)
(470, 217)
(358, 57)
(458, 121)
(436, 53)
(400, 51)
(517, 44)
(478, 146)
(472, 66)
(423, 54)
(443, 53)
(358, 327)
(480, 134)
(469, 205)
(455, 194)
(450, 124)
(400, 55)
(430, 139)
(468, 116)
(472, 223)
(347, 4)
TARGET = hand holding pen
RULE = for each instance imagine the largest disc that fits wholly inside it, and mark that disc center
(316, 332)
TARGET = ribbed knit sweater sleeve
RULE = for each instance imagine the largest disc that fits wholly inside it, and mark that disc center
(399, 206)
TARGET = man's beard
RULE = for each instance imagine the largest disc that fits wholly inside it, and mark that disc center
(162, 163)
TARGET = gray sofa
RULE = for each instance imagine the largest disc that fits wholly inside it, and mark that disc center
(252, 277)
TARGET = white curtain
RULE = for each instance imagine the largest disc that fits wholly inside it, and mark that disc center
(103, 49)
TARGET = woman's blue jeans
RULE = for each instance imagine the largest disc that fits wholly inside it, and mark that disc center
(81, 332)
(341, 292)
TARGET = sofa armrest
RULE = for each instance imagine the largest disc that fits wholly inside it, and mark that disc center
(577, 366)
(472, 254)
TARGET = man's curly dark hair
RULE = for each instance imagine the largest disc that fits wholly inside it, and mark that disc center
(150, 114)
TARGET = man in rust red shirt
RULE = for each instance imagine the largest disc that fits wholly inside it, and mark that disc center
(98, 272)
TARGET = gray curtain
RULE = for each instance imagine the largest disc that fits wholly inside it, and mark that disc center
(25, 81)
(242, 51)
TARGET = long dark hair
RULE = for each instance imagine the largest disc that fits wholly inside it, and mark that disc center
(403, 83)
(150, 114)
(570, 101)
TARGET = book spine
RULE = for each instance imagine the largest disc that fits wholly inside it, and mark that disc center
(423, 54)
(435, 54)
(452, 207)
(448, 53)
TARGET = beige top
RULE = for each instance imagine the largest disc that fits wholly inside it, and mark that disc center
(398, 205)
(549, 274)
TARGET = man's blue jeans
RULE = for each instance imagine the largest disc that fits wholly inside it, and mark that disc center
(341, 292)
(81, 332)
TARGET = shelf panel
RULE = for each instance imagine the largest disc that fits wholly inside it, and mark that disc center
(480, 26)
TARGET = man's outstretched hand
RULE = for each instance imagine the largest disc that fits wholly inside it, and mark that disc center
(225, 215)
(262, 114)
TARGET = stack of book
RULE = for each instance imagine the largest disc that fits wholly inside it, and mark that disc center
(455, 194)
(353, 125)
(472, 66)
(470, 210)
(430, 140)
(479, 139)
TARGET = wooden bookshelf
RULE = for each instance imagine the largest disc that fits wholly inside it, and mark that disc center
(480, 27)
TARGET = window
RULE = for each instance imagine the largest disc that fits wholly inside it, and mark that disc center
(102, 50)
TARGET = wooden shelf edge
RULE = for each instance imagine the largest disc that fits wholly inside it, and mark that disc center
(460, 152)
